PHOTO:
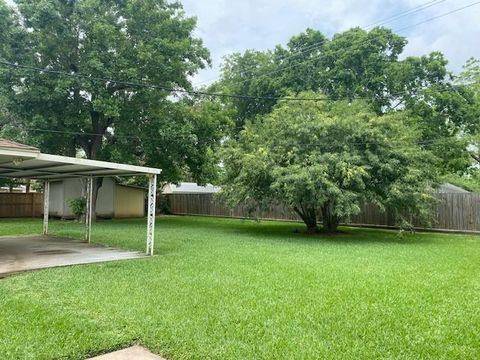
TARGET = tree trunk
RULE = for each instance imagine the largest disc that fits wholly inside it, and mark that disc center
(476, 157)
(97, 184)
(330, 220)
(92, 148)
(309, 217)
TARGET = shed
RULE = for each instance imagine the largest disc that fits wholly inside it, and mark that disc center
(114, 200)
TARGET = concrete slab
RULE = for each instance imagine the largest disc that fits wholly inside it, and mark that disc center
(24, 253)
(132, 353)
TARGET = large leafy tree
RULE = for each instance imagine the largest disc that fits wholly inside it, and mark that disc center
(323, 159)
(470, 77)
(359, 64)
(353, 64)
(468, 176)
(448, 116)
(109, 49)
(243, 74)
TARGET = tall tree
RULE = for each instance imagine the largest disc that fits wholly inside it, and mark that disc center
(448, 116)
(244, 74)
(359, 64)
(470, 77)
(322, 160)
(131, 42)
(300, 62)
(353, 64)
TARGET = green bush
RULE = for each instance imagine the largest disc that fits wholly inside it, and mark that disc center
(163, 204)
(78, 206)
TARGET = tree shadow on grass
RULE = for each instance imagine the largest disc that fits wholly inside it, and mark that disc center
(295, 232)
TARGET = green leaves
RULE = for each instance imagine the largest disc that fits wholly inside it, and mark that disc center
(359, 64)
(133, 41)
(327, 158)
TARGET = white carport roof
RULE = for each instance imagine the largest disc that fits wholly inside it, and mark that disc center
(22, 161)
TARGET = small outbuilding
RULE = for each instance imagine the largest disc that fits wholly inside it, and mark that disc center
(114, 200)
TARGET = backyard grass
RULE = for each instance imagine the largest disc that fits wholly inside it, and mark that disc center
(233, 289)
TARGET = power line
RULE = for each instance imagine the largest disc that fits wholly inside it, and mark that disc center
(281, 58)
(412, 11)
(204, 93)
(440, 16)
(191, 92)
(320, 56)
(209, 94)
(154, 86)
(321, 43)
(303, 144)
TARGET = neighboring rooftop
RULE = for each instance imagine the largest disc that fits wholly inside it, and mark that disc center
(190, 188)
(4, 143)
(448, 188)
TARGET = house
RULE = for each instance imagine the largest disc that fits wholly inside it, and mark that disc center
(113, 201)
(16, 189)
(448, 188)
(190, 188)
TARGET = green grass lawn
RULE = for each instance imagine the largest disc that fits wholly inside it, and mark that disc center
(233, 289)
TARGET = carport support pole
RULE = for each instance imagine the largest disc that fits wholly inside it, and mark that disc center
(152, 195)
(46, 203)
(89, 210)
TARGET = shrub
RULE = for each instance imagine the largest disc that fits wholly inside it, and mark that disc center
(78, 207)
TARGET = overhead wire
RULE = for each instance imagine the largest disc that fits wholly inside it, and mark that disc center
(199, 93)
(365, 41)
(216, 94)
(300, 144)
(321, 43)
(406, 13)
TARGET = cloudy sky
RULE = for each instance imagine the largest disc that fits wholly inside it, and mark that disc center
(228, 26)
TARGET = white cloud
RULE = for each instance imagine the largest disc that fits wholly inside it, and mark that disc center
(227, 26)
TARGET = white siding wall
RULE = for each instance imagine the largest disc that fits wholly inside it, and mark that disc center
(57, 199)
(106, 199)
(131, 203)
(73, 189)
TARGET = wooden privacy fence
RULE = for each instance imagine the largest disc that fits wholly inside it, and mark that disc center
(15, 205)
(456, 212)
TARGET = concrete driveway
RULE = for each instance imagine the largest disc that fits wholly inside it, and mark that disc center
(21, 253)
(132, 353)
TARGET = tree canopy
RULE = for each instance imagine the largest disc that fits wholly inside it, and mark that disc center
(323, 159)
(101, 53)
(360, 64)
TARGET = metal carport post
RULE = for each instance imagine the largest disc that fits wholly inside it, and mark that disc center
(46, 203)
(152, 195)
(89, 210)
